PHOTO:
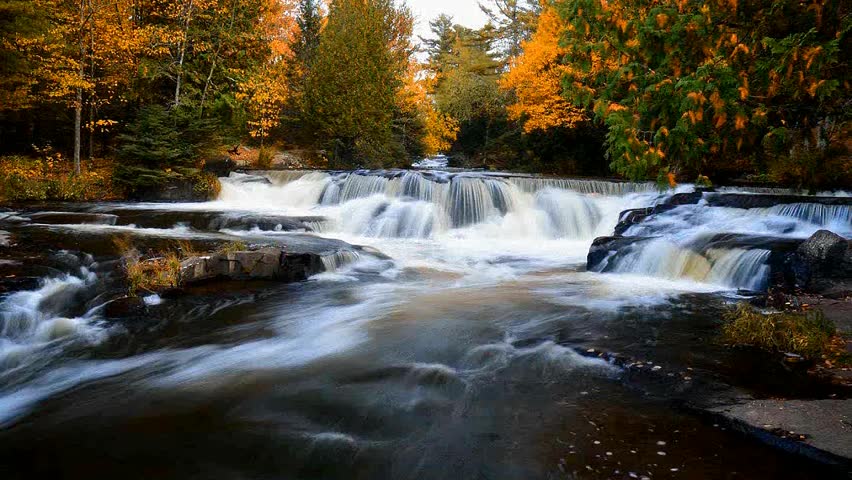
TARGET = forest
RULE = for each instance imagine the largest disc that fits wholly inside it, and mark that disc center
(108, 98)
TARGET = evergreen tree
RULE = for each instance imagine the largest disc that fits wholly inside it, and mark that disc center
(514, 22)
(351, 90)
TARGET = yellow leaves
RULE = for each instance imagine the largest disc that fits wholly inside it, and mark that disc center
(734, 39)
(720, 119)
(664, 131)
(743, 92)
(774, 83)
(716, 101)
(441, 132)
(672, 179)
(632, 43)
(814, 86)
(694, 116)
(809, 56)
(662, 20)
(615, 107)
(740, 48)
(740, 122)
(697, 97)
(536, 78)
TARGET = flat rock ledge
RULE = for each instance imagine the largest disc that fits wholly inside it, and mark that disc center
(819, 429)
(268, 263)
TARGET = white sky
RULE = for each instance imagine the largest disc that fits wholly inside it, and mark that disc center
(464, 12)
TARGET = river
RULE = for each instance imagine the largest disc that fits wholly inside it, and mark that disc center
(454, 346)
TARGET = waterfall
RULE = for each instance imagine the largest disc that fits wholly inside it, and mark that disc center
(835, 217)
(415, 204)
(337, 260)
(732, 268)
(739, 268)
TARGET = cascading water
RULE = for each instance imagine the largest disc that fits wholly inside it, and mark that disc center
(418, 205)
(450, 304)
(31, 320)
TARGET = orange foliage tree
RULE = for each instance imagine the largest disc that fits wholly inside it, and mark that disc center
(535, 77)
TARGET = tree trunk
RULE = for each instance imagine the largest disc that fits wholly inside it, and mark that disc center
(182, 55)
(91, 132)
(78, 105)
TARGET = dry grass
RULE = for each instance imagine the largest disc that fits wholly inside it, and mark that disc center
(152, 275)
(158, 272)
(232, 247)
(808, 334)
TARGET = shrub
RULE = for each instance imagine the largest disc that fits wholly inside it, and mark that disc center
(264, 158)
(808, 334)
(51, 178)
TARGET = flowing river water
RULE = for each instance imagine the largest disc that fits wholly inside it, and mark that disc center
(452, 346)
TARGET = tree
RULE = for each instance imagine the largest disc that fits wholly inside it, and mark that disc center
(688, 88)
(358, 71)
(535, 79)
(514, 21)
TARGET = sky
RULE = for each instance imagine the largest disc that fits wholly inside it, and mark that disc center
(464, 12)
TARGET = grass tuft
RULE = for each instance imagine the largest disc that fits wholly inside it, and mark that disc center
(233, 247)
(808, 334)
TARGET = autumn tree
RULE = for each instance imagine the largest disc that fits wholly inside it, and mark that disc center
(690, 88)
(535, 79)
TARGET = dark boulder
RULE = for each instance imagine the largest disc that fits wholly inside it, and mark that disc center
(679, 199)
(744, 200)
(823, 265)
(171, 190)
(125, 307)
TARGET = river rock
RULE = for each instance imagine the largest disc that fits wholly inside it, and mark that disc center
(220, 165)
(265, 264)
(823, 265)
(125, 307)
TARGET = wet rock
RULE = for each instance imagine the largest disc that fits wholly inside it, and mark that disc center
(823, 265)
(125, 307)
(5, 238)
(679, 199)
(604, 248)
(265, 222)
(221, 165)
(820, 429)
(172, 190)
(745, 200)
(265, 264)
(73, 218)
(246, 178)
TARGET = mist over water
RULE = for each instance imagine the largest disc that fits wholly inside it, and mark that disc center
(458, 329)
